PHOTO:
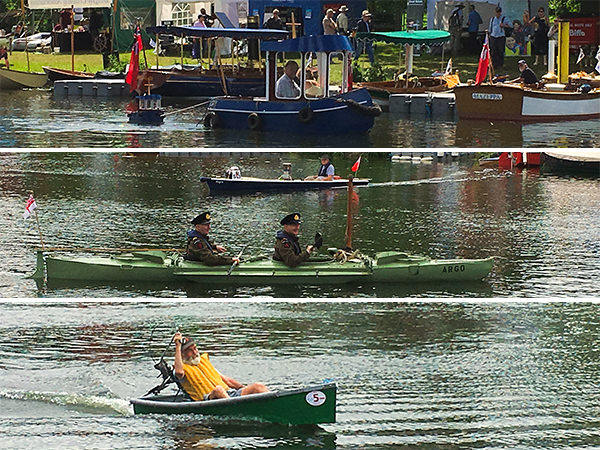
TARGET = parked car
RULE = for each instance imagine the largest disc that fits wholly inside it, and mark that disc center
(34, 41)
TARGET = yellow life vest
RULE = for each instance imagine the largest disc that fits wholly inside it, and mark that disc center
(201, 379)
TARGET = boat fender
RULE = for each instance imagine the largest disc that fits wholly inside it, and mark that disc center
(254, 121)
(306, 114)
(369, 110)
(211, 120)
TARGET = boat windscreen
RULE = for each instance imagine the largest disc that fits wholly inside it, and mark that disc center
(234, 33)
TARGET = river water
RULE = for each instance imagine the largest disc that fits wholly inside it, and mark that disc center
(541, 228)
(412, 375)
(33, 118)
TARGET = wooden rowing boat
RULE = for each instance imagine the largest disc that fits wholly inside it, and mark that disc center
(249, 184)
(140, 266)
(307, 406)
(55, 74)
(16, 79)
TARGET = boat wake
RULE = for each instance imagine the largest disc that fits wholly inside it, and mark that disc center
(91, 403)
(438, 180)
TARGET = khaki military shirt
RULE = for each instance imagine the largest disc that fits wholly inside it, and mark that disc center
(287, 250)
(203, 250)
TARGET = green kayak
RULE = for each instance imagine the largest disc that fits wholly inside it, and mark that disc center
(307, 406)
(384, 267)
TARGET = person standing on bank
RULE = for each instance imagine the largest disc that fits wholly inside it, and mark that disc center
(455, 25)
(473, 27)
(329, 25)
(326, 171)
(540, 36)
(498, 24)
(364, 25)
(274, 22)
(287, 245)
(200, 248)
(342, 21)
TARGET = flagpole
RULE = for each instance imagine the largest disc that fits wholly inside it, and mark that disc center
(37, 220)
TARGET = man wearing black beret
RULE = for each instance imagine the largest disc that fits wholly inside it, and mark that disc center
(287, 246)
(200, 248)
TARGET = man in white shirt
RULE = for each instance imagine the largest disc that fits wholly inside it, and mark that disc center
(286, 87)
(342, 21)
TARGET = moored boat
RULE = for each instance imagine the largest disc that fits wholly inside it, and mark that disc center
(249, 184)
(16, 79)
(317, 109)
(341, 268)
(572, 161)
(55, 74)
(515, 103)
(307, 406)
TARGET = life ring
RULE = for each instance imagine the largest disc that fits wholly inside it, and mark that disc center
(211, 120)
(368, 110)
(306, 114)
(254, 121)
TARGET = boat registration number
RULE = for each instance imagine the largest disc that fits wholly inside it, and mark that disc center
(483, 96)
(454, 269)
(316, 398)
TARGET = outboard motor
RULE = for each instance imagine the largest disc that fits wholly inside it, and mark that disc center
(233, 173)
(287, 172)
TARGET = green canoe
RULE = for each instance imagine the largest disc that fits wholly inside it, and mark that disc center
(307, 406)
(385, 267)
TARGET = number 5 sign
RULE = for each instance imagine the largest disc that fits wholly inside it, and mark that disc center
(315, 398)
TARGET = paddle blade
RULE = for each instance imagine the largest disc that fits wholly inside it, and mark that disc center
(318, 241)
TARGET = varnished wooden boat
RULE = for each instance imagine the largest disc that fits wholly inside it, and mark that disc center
(515, 103)
(55, 74)
(16, 79)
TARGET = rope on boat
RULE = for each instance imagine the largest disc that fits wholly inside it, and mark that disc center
(189, 107)
(342, 256)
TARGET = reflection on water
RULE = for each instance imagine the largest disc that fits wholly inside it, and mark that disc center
(536, 226)
(426, 375)
(33, 118)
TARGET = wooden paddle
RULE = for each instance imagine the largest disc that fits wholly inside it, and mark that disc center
(235, 263)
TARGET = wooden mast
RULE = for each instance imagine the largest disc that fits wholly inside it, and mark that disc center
(72, 39)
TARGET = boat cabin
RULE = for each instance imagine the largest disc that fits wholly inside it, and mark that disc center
(326, 75)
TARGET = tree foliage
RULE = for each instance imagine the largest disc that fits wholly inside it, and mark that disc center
(7, 5)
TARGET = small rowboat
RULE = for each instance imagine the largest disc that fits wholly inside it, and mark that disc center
(385, 267)
(56, 74)
(249, 184)
(17, 79)
(306, 406)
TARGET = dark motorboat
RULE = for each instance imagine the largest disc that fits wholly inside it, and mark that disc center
(572, 161)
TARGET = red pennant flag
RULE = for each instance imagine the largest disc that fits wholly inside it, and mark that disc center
(29, 207)
(134, 61)
(484, 62)
(356, 165)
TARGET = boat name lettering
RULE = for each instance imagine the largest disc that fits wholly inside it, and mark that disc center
(315, 398)
(456, 268)
(482, 96)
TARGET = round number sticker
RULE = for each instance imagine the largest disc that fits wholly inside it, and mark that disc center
(315, 398)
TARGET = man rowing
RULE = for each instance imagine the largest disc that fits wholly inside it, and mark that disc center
(287, 245)
(200, 248)
(326, 171)
(199, 378)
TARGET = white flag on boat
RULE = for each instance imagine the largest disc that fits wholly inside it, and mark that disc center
(448, 67)
(152, 43)
(31, 205)
(597, 68)
(581, 55)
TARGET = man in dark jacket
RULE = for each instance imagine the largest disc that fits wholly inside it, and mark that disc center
(274, 22)
(364, 25)
(200, 248)
(287, 246)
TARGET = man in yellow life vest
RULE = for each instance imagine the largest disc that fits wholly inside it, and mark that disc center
(199, 378)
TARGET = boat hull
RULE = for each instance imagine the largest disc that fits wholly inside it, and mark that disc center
(55, 74)
(386, 267)
(329, 115)
(220, 185)
(572, 162)
(511, 102)
(16, 79)
(307, 406)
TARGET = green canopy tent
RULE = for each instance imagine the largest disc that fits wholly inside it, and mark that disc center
(408, 39)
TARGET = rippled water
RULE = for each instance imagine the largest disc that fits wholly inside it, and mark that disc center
(542, 229)
(33, 118)
(426, 375)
